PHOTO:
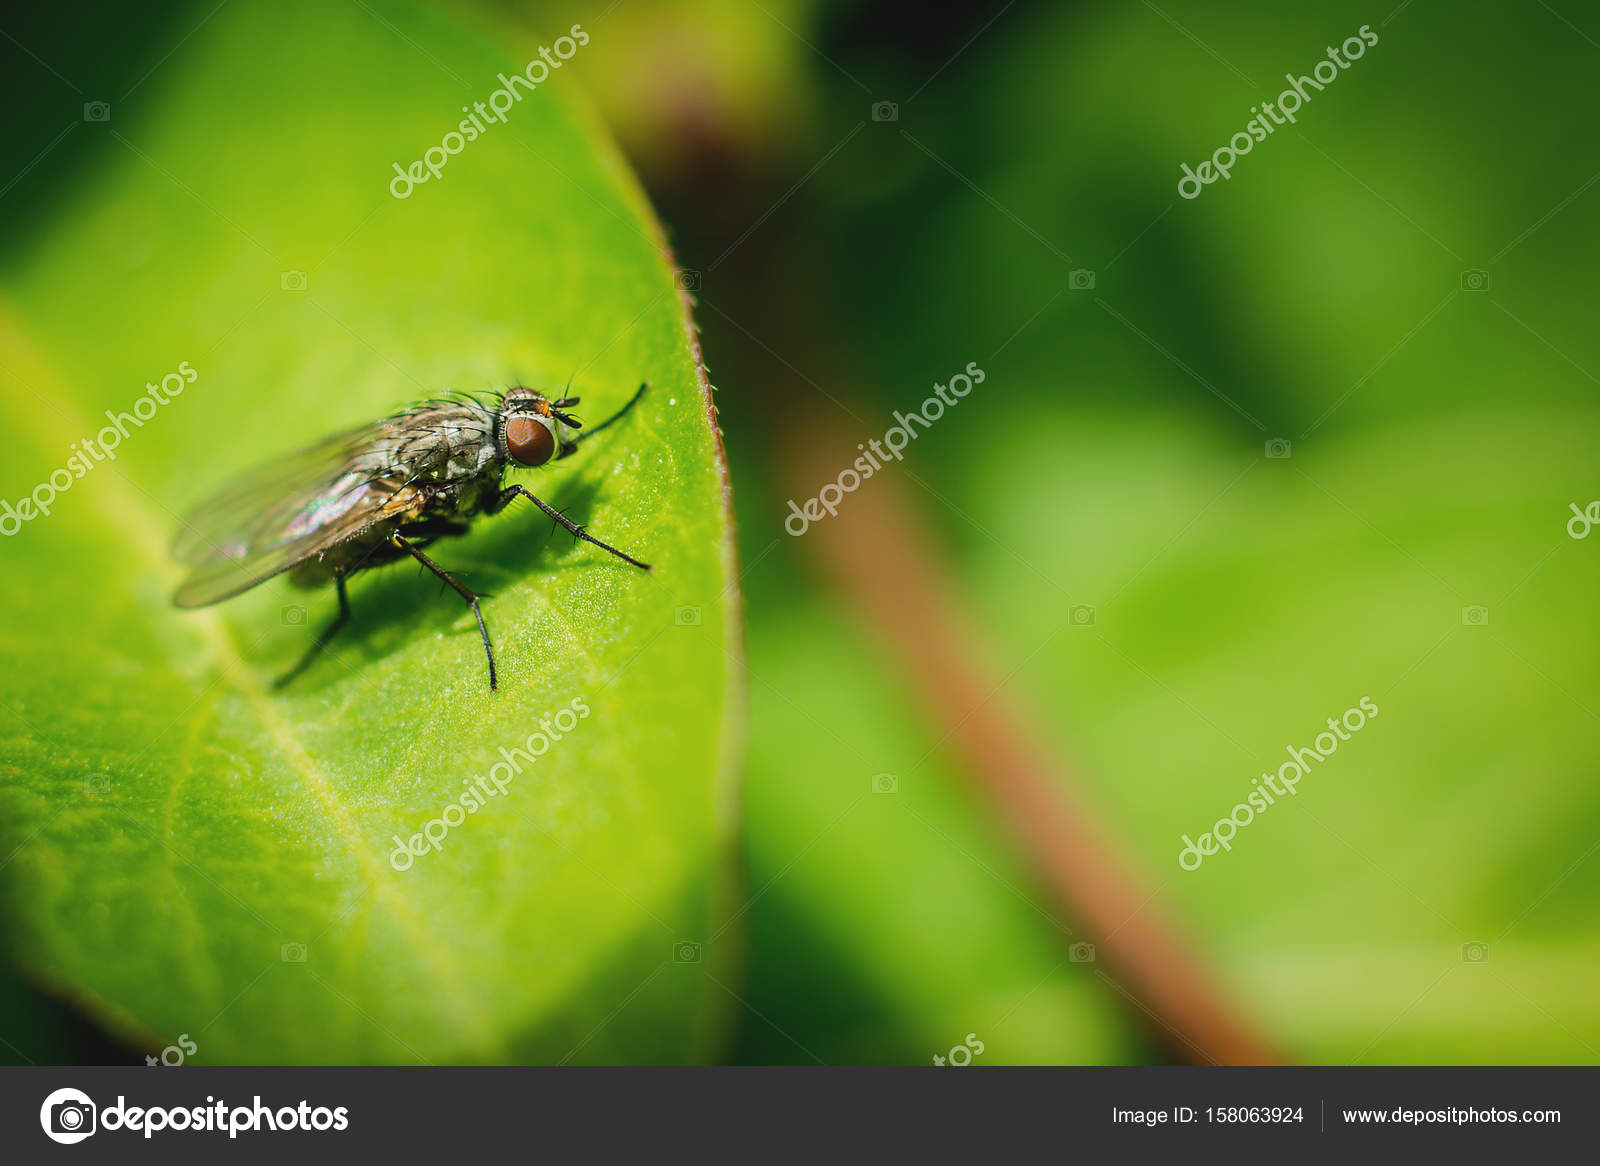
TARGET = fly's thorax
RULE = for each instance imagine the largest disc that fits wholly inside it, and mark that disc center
(442, 443)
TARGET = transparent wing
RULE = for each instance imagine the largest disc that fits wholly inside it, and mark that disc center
(281, 513)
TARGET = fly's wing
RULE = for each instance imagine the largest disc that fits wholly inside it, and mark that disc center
(282, 513)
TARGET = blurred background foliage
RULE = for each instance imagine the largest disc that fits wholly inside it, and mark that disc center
(1116, 458)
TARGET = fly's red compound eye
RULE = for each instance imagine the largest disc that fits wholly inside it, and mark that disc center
(528, 442)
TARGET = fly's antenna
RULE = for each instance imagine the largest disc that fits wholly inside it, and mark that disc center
(569, 446)
(567, 400)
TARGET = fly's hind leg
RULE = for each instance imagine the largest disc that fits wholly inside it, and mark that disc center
(510, 492)
(339, 576)
(472, 600)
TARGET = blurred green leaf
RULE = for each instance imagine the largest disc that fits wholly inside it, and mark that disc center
(175, 829)
(896, 918)
(1439, 435)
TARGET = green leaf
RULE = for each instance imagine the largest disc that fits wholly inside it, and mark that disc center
(171, 822)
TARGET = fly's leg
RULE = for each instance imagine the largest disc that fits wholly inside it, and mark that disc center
(327, 633)
(472, 600)
(577, 531)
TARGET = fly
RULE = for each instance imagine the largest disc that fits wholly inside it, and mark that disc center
(377, 494)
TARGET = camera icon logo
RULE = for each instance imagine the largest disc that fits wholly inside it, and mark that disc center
(885, 111)
(689, 279)
(885, 783)
(1475, 953)
(1081, 615)
(292, 281)
(1475, 279)
(1081, 280)
(685, 951)
(1081, 953)
(97, 111)
(293, 615)
(97, 784)
(68, 1116)
(1475, 616)
(1278, 447)
(292, 953)
(687, 616)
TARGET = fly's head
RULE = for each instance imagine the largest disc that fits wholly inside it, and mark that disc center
(531, 429)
